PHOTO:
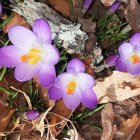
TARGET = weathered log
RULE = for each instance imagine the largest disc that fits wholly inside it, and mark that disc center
(70, 34)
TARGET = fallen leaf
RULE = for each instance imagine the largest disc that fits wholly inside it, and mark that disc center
(26, 131)
(63, 6)
(107, 2)
(91, 128)
(16, 20)
(109, 128)
(24, 86)
(89, 132)
(137, 134)
(15, 136)
(88, 60)
(132, 15)
(88, 63)
(75, 10)
(127, 127)
(117, 87)
(127, 119)
(5, 117)
(88, 25)
(89, 70)
(3, 95)
(91, 43)
(63, 111)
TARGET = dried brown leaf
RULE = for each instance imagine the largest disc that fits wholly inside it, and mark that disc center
(91, 43)
(16, 20)
(26, 131)
(29, 134)
(117, 87)
(88, 25)
(3, 95)
(5, 116)
(137, 134)
(127, 127)
(75, 10)
(63, 6)
(89, 70)
(107, 116)
(132, 14)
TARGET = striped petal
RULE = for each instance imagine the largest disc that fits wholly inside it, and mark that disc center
(10, 56)
(42, 30)
(75, 65)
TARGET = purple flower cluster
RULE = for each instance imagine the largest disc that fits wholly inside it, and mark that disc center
(128, 59)
(33, 55)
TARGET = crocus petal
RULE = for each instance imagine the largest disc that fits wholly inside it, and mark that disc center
(42, 30)
(133, 69)
(55, 92)
(10, 56)
(111, 60)
(114, 6)
(125, 50)
(135, 40)
(89, 99)
(85, 81)
(22, 38)
(47, 75)
(63, 79)
(24, 71)
(121, 65)
(86, 3)
(75, 65)
(0, 9)
(52, 54)
(72, 101)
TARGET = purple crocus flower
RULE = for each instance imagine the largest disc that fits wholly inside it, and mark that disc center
(32, 53)
(129, 60)
(0, 9)
(74, 86)
(86, 3)
(111, 60)
(32, 114)
(114, 6)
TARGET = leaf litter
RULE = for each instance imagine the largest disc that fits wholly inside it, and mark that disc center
(115, 121)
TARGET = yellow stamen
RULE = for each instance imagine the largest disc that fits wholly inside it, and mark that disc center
(32, 57)
(71, 87)
(135, 59)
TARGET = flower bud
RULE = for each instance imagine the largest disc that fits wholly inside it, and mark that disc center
(32, 114)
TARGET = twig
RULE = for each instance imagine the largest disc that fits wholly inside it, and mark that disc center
(25, 95)
(76, 133)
